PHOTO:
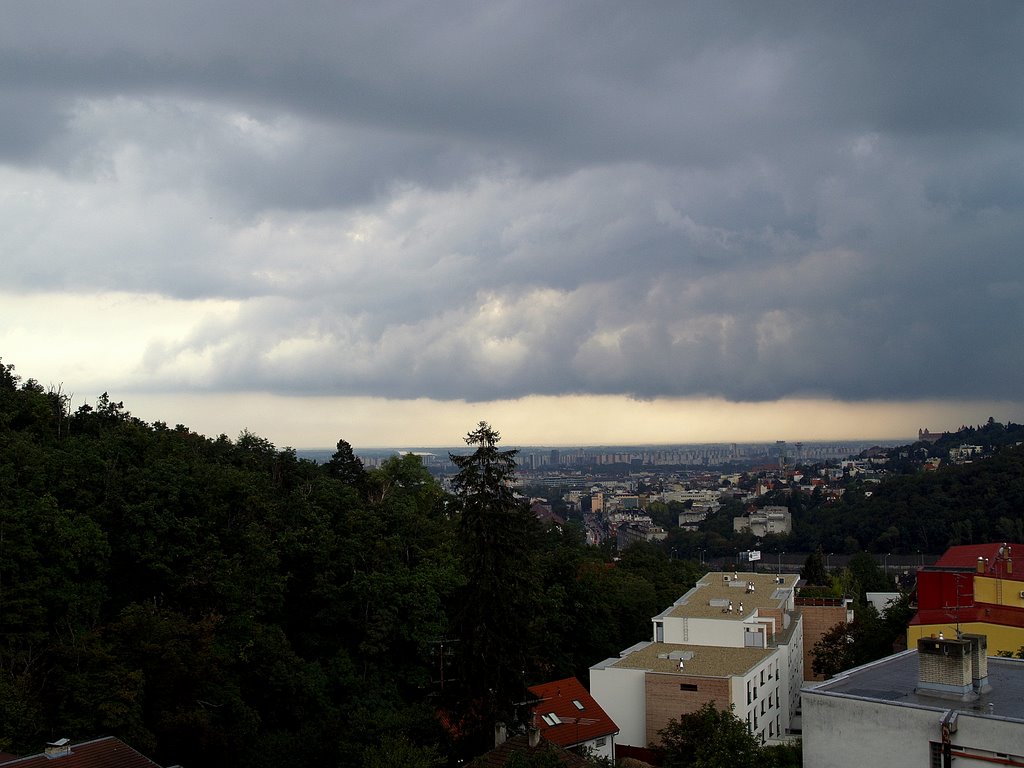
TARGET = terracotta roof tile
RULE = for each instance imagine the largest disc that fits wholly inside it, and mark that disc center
(107, 752)
(576, 723)
(966, 555)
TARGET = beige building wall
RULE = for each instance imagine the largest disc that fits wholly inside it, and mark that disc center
(669, 696)
(817, 620)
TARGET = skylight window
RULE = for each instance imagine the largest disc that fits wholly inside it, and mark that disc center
(577, 704)
(554, 718)
(547, 719)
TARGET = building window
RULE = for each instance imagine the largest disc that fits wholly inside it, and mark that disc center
(689, 687)
(601, 742)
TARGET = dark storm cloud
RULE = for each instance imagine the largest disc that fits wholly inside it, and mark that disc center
(465, 200)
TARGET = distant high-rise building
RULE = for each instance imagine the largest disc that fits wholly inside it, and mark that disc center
(780, 447)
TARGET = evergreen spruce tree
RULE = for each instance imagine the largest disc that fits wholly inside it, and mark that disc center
(347, 467)
(814, 571)
(497, 541)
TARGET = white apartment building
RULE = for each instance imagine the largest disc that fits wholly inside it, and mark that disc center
(771, 519)
(735, 639)
(696, 495)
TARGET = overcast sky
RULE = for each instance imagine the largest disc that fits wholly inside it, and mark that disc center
(580, 221)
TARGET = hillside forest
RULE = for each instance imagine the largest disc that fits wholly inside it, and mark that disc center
(214, 601)
(222, 601)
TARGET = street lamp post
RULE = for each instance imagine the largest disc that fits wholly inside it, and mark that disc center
(885, 567)
(780, 561)
(828, 564)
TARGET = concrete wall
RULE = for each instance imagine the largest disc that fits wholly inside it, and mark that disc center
(723, 633)
(621, 694)
(841, 732)
(767, 685)
(793, 656)
(850, 733)
(602, 750)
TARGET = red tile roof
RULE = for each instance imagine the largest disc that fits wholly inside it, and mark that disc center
(575, 724)
(966, 556)
(107, 752)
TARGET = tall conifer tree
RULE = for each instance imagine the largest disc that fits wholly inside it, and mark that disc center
(497, 538)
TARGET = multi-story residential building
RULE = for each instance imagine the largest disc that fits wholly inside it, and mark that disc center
(963, 453)
(973, 588)
(734, 639)
(761, 522)
(627, 534)
(696, 495)
(942, 703)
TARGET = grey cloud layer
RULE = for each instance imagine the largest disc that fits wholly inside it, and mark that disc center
(475, 201)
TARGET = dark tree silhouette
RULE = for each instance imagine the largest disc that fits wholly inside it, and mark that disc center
(498, 539)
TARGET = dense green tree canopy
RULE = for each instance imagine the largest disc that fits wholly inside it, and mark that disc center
(709, 738)
(213, 600)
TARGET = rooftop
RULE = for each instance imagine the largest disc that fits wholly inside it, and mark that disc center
(894, 679)
(551, 754)
(706, 599)
(107, 752)
(706, 660)
(966, 556)
(577, 717)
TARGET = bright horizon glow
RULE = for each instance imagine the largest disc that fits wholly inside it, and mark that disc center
(88, 344)
(318, 422)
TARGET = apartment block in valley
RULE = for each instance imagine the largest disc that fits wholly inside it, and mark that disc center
(735, 639)
(764, 521)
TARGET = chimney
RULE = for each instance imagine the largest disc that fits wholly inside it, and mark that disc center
(979, 662)
(533, 736)
(58, 748)
(945, 668)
